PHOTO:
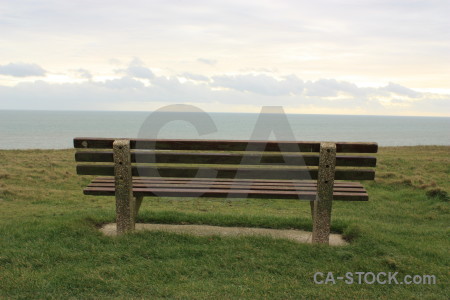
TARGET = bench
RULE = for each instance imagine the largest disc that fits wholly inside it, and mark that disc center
(131, 169)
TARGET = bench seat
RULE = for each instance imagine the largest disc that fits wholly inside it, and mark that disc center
(227, 188)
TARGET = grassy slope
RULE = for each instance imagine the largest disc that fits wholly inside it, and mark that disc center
(49, 246)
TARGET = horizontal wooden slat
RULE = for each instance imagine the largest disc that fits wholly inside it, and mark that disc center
(228, 186)
(268, 183)
(341, 196)
(227, 172)
(226, 145)
(225, 158)
(226, 193)
(101, 178)
(208, 187)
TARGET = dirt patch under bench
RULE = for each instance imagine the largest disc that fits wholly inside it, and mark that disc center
(299, 236)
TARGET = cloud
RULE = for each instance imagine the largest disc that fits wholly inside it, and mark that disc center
(140, 72)
(371, 41)
(137, 69)
(229, 92)
(83, 73)
(122, 83)
(195, 77)
(405, 41)
(260, 84)
(332, 88)
(207, 61)
(22, 70)
(401, 90)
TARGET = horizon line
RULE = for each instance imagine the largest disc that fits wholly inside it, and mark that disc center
(215, 112)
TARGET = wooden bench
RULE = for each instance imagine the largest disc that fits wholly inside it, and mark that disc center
(130, 169)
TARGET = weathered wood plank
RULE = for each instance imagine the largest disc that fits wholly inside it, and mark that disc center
(225, 193)
(229, 186)
(225, 158)
(208, 181)
(244, 181)
(226, 145)
(228, 172)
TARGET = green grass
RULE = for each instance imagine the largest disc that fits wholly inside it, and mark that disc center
(50, 246)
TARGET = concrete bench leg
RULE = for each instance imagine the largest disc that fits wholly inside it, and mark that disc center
(125, 202)
(138, 205)
(321, 207)
(311, 203)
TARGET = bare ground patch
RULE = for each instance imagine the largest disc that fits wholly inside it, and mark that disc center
(298, 236)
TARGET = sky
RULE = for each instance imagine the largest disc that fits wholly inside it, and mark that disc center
(358, 57)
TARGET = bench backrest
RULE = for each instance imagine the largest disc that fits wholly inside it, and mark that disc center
(225, 159)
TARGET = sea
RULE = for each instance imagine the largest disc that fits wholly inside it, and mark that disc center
(21, 129)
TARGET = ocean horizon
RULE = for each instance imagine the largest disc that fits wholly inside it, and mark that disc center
(42, 129)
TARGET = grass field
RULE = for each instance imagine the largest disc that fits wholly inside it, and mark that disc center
(50, 246)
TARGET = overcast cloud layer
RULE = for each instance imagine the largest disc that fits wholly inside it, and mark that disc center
(355, 57)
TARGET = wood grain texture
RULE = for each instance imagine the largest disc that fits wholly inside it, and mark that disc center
(226, 145)
(178, 157)
(228, 186)
(227, 172)
(344, 191)
(208, 181)
(226, 193)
